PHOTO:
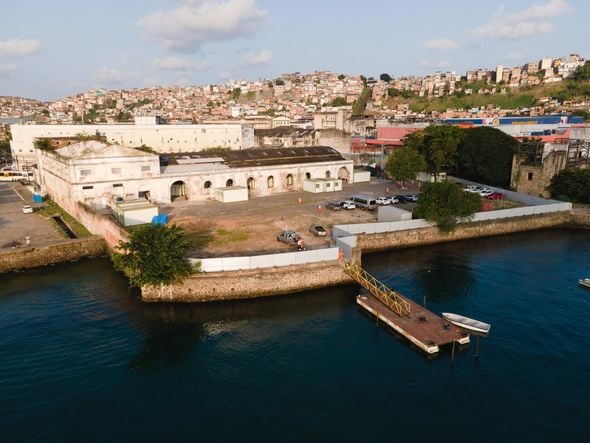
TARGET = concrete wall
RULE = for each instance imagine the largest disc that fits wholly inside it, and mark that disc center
(249, 284)
(28, 258)
(430, 235)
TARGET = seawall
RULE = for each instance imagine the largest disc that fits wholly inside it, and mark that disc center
(219, 286)
(28, 258)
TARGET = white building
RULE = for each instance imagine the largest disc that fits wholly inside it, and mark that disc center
(96, 173)
(162, 138)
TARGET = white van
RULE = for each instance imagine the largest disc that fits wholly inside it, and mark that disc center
(366, 202)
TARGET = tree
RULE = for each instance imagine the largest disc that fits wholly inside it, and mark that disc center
(404, 164)
(154, 255)
(339, 101)
(385, 77)
(571, 185)
(341, 77)
(279, 82)
(484, 155)
(445, 203)
(438, 144)
(236, 93)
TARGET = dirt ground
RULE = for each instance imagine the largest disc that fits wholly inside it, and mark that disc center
(251, 227)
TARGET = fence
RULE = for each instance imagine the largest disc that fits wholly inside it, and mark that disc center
(267, 260)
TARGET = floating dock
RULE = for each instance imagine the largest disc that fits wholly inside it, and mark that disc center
(420, 326)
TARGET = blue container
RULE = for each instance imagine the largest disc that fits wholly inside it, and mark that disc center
(37, 198)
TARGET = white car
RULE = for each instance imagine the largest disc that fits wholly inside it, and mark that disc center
(485, 192)
(27, 209)
(348, 204)
(383, 200)
(471, 188)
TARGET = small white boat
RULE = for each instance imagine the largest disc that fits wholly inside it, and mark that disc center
(585, 282)
(467, 323)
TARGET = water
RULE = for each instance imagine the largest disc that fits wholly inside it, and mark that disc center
(82, 359)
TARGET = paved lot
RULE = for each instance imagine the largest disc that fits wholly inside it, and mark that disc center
(258, 221)
(15, 226)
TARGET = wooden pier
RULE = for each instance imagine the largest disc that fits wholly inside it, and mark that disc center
(420, 326)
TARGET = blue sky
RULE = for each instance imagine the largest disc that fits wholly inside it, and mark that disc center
(50, 49)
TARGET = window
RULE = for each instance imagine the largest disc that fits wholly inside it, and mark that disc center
(307, 175)
(87, 188)
(145, 169)
(117, 185)
(115, 170)
(229, 183)
(85, 172)
(289, 180)
(207, 184)
(270, 182)
(530, 177)
(327, 174)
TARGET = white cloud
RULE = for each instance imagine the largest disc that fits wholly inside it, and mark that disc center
(195, 22)
(172, 64)
(531, 21)
(8, 68)
(108, 76)
(435, 64)
(515, 55)
(17, 47)
(261, 58)
(442, 44)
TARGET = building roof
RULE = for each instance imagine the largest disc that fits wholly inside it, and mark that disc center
(283, 131)
(262, 157)
(95, 149)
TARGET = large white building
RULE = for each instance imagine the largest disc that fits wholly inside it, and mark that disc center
(162, 138)
(95, 173)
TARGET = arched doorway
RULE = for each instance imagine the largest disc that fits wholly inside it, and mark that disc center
(307, 175)
(229, 183)
(343, 174)
(270, 182)
(251, 183)
(289, 180)
(178, 190)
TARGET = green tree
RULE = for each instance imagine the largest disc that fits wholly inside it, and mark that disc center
(571, 185)
(404, 164)
(123, 116)
(236, 93)
(445, 204)
(438, 144)
(385, 77)
(484, 155)
(339, 101)
(279, 82)
(154, 255)
(582, 73)
(341, 77)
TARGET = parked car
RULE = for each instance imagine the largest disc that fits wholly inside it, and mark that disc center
(393, 200)
(471, 188)
(495, 196)
(383, 201)
(333, 206)
(318, 230)
(27, 209)
(401, 198)
(288, 236)
(413, 198)
(347, 204)
(485, 192)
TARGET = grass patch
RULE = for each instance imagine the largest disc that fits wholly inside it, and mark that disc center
(223, 236)
(51, 209)
(199, 239)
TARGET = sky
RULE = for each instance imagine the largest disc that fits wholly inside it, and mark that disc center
(51, 49)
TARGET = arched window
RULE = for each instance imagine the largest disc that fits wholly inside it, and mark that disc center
(327, 174)
(207, 184)
(307, 175)
(289, 180)
(251, 183)
(229, 183)
(270, 182)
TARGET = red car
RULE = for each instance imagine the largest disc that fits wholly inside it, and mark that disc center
(496, 196)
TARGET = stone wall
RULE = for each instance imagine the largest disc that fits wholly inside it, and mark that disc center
(426, 236)
(27, 258)
(249, 284)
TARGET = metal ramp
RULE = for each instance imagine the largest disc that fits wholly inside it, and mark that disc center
(385, 295)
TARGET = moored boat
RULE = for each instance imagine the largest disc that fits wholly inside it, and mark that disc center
(585, 282)
(467, 323)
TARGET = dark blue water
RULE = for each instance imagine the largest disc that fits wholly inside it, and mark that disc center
(82, 359)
